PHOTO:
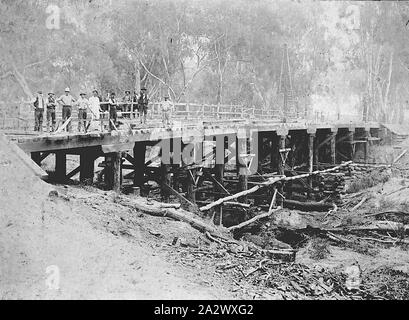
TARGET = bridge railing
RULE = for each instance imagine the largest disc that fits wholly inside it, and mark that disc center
(20, 115)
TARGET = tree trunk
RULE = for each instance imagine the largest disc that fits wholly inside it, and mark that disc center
(137, 86)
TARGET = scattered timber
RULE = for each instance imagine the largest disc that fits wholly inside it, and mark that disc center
(260, 216)
(270, 182)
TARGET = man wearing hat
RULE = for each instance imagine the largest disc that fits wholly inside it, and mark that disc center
(66, 100)
(51, 104)
(135, 110)
(83, 105)
(143, 105)
(112, 105)
(127, 100)
(38, 111)
(167, 108)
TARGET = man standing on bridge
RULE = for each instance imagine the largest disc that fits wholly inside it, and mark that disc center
(83, 105)
(167, 109)
(94, 105)
(143, 105)
(39, 111)
(112, 105)
(51, 104)
(135, 110)
(127, 100)
(67, 101)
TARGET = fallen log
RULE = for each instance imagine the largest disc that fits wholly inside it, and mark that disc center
(156, 209)
(170, 205)
(386, 212)
(250, 221)
(269, 182)
(307, 206)
(237, 204)
(384, 225)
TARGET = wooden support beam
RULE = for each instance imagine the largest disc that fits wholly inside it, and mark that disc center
(352, 146)
(87, 160)
(281, 164)
(139, 152)
(176, 174)
(129, 158)
(117, 171)
(260, 150)
(311, 137)
(333, 147)
(274, 154)
(36, 157)
(241, 167)
(317, 158)
(60, 165)
(326, 141)
(218, 182)
(165, 181)
(113, 171)
(366, 146)
(186, 204)
(190, 185)
(281, 158)
(44, 155)
(73, 172)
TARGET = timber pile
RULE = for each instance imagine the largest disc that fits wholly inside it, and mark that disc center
(270, 182)
(331, 187)
(328, 188)
(360, 176)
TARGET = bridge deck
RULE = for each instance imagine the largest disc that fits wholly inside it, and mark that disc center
(123, 139)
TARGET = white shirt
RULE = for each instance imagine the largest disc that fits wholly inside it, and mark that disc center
(94, 106)
(82, 103)
(167, 105)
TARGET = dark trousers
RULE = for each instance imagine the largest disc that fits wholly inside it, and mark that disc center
(38, 119)
(143, 110)
(66, 113)
(112, 117)
(51, 116)
(82, 119)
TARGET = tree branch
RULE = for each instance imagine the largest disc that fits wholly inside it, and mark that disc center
(6, 75)
(156, 77)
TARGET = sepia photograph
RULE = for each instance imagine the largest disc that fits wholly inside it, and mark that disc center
(230, 152)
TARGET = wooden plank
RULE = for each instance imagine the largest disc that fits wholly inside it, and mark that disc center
(74, 172)
(218, 184)
(44, 155)
(65, 124)
(186, 204)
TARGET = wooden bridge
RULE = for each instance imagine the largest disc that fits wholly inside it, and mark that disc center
(206, 150)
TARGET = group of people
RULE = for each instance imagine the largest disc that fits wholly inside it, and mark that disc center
(67, 102)
(131, 107)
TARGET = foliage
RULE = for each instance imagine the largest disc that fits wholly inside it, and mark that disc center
(212, 51)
